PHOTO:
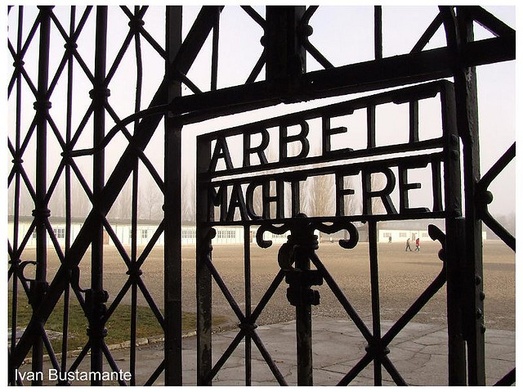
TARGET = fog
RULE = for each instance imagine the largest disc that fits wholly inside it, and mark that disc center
(239, 51)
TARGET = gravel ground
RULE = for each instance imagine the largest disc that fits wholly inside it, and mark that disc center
(403, 277)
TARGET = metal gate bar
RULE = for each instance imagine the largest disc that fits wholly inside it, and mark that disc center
(96, 296)
(459, 30)
(248, 302)
(172, 211)
(41, 212)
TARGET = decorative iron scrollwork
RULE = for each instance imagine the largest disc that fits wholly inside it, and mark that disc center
(334, 227)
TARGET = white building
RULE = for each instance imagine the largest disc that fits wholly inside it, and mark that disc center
(123, 231)
(390, 235)
(146, 231)
(400, 231)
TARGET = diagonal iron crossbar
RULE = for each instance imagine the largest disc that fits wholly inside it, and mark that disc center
(247, 325)
(377, 345)
(438, 282)
(484, 197)
(115, 183)
(366, 76)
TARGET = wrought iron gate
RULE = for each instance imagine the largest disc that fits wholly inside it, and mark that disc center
(52, 131)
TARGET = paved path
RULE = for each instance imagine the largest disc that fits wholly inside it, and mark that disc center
(418, 353)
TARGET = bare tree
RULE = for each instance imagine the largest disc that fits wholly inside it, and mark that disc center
(123, 204)
(352, 204)
(80, 204)
(188, 198)
(150, 200)
(57, 201)
(377, 181)
(321, 196)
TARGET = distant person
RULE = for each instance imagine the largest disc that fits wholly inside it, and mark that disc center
(390, 239)
(407, 247)
(417, 245)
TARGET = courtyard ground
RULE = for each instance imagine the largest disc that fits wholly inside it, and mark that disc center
(403, 277)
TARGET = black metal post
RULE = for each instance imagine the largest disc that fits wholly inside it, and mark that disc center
(172, 212)
(204, 233)
(96, 296)
(68, 189)
(284, 47)
(467, 112)
(375, 347)
(15, 262)
(248, 301)
(41, 211)
(301, 243)
(303, 325)
(459, 30)
(454, 240)
(378, 32)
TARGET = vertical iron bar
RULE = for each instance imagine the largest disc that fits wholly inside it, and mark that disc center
(134, 214)
(456, 254)
(41, 212)
(371, 126)
(454, 240)
(67, 190)
(99, 96)
(459, 31)
(286, 55)
(215, 52)
(303, 323)
(375, 293)
(378, 33)
(413, 121)
(467, 112)
(203, 274)
(134, 253)
(17, 160)
(248, 304)
(172, 210)
(16, 208)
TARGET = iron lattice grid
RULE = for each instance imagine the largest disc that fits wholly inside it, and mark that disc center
(47, 142)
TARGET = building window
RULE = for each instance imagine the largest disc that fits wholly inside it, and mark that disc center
(387, 235)
(59, 233)
(145, 233)
(188, 234)
(228, 234)
(403, 235)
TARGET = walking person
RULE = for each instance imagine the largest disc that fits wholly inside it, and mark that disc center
(417, 245)
(407, 247)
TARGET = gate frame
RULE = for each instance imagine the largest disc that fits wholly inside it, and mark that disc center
(302, 241)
